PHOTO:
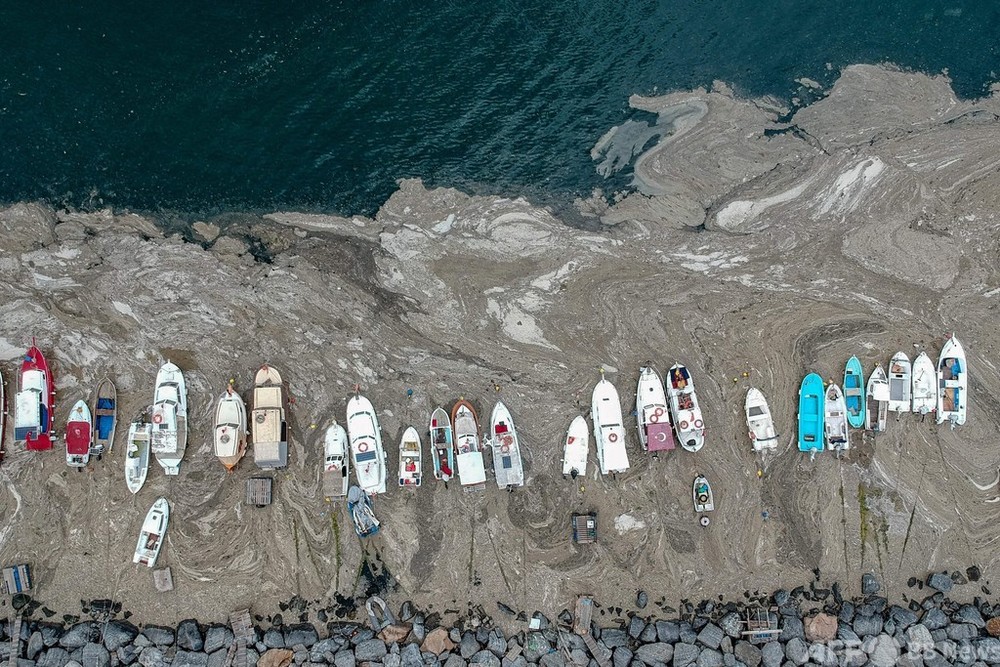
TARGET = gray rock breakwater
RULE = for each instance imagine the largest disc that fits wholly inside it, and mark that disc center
(808, 626)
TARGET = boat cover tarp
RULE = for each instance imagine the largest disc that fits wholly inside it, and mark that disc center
(660, 437)
(471, 469)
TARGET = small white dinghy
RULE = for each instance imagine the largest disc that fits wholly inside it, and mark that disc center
(835, 425)
(230, 428)
(576, 449)
(684, 408)
(137, 455)
(609, 434)
(154, 528)
(877, 410)
(704, 499)
(336, 462)
(759, 421)
(507, 465)
(899, 383)
(79, 435)
(655, 432)
(924, 385)
(953, 383)
(410, 458)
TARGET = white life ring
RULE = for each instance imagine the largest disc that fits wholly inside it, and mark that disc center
(362, 446)
(504, 448)
(683, 426)
(157, 418)
(698, 423)
(260, 418)
(612, 437)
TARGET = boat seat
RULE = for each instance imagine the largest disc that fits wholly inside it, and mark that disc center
(852, 392)
(104, 412)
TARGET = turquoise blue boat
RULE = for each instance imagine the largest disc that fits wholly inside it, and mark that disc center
(854, 393)
(811, 414)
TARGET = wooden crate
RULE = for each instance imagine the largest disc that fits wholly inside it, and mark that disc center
(259, 491)
(585, 528)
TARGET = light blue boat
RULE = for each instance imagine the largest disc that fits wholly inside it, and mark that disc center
(811, 414)
(854, 393)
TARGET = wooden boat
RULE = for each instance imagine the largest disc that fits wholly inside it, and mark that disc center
(468, 448)
(760, 425)
(507, 464)
(336, 462)
(899, 383)
(137, 454)
(230, 428)
(79, 435)
(854, 393)
(953, 383)
(577, 449)
(442, 445)
(34, 403)
(609, 434)
(359, 504)
(268, 426)
(655, 431)
(684, 408)
(923, 393)
(169, 418)
(704, 499)
(835, 419)
(811, 414)
(154, 529)
(877, 410)
(365, 436)
(105, 417)
(410, 458)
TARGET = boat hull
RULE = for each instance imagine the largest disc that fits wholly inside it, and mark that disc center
(170, 430)
(105, 413)
(576, 449)
(684, 408)
(367, 453)
(442, 445)
(701, 493)
(652, 413)
(507, 465)
(268, 424)
(810, 428)
(760, 425)
(34, 402)
(899, 383)
(835, 424)
(468, 448)
(336, 462)
(953, 384)
(151, 537)
(410, 459)
(137, 455)
(230, 435)
(854, 393)
(609, 434)
(79, 435)
(923, 392)
(877, 410)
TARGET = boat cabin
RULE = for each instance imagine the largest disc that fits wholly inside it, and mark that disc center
(164, 420)
(31, 414)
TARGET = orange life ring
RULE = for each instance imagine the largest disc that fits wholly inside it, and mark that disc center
(654, 418)
(698, 423)
(612, 437)
(507, 440)
(362, 446)
(157, 418)
(684, 425)
(658, 412)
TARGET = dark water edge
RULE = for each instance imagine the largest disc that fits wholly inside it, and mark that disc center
(189, 112)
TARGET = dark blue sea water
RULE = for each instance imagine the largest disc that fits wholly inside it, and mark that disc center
(211, 106)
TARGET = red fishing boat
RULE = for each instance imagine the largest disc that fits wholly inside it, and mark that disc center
(34, 404)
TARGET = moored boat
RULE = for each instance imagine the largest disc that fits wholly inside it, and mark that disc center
(34, 403)
(140, 433)
(577, 448)
(655, 431)
(835, 419)
(468, 448)
(169, 440)
(410, 458)
(269, 427)
(854, 393)
(3, 418)
(230, 428)
(877, 410)
(609, 434)
(79, 435)
(336, 462)
(953, 383)
(365, 436)
(105, 417)
(359, 505)
(899, 383)
(923, 392)
(760, 425)
(507, 464)
(154, 529)
(442, 445)
(684, 408)
(701, 491)
(810, 435)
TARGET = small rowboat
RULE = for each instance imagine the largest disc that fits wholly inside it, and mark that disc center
(759, 422)
(442, 447)
(953, 383)
(79, 436)
(359, 504)
(704, 499)
(899, 383)
(877, 411)
(410, 458)
(105, 417)
(609, 435)
(577, 449)
(655, 432)
(137, 454)
(154, 528)
(854, 396)
(835, 419)
(924, 385)
(811, 414)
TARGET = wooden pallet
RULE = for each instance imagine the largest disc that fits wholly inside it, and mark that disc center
(259, 491)
(243, 636)
(14, 625)
(581, 626)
